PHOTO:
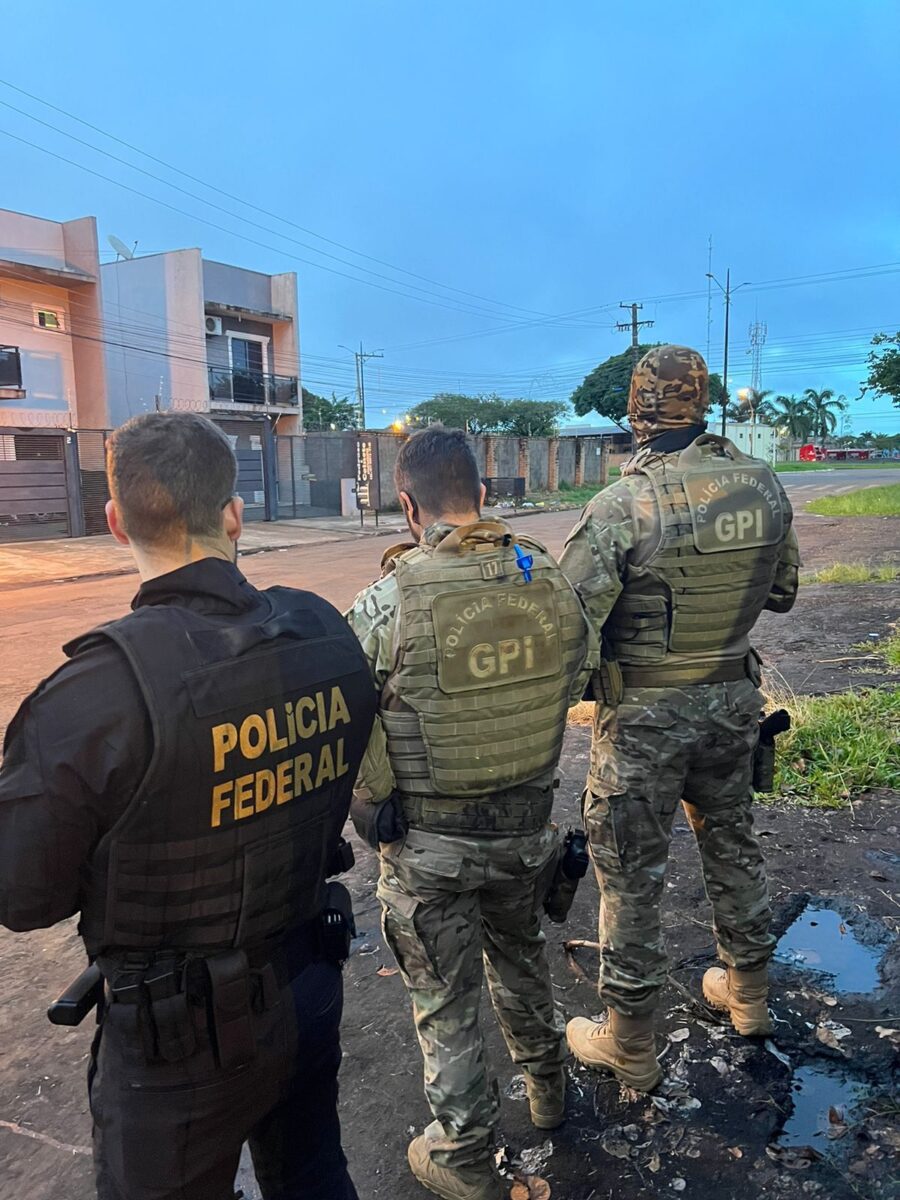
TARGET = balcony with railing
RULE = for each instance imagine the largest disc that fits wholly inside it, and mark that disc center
(252, 387)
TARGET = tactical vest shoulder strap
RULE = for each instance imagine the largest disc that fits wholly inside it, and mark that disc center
(491, 532)
(693, 455)
(532, 543)
(393, 553)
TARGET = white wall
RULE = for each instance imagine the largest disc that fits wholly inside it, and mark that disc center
(758, 440)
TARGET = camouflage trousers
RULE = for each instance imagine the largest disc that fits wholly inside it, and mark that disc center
(457, 910)
(660, 747)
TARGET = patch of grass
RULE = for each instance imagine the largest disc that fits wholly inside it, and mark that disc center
(887, 649)
(852, 573)
(838, 745)
(866, 502)
(880, 463)
(568, 493)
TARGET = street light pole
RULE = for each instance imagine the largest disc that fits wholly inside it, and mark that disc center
(728, 292)
(725, 364)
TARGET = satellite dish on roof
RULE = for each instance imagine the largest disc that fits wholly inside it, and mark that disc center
(120, 248)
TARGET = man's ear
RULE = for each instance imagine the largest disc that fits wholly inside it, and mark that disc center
(116, 524)
(482, 496)
(408, 505)
(233, 514)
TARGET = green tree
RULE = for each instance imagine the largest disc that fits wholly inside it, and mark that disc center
(605, 389)
(319, 413)
(475, 414)
(884, 367)
(531, 418)
(793, 416)
(716, 394)
(491, 414)
(823, 411)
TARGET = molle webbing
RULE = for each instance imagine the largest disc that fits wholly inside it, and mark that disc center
(465, 730)
(683, 601)
(521, 811)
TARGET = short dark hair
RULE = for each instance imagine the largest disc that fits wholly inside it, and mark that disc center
(437, 469)
(170, 474)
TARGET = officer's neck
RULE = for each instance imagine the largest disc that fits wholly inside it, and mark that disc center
(447, 518)
(152, 562)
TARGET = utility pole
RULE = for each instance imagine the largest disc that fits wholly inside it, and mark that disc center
(360, 357)
(709, 299)
(634, 325)
(728, 292)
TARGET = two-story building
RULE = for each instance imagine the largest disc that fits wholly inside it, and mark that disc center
(52, 369)
(183, 332)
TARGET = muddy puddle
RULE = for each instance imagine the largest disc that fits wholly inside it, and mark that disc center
(824, 1101)
(821, 940)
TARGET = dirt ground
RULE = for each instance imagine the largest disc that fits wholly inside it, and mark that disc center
(714, 1128)
(715, 1122)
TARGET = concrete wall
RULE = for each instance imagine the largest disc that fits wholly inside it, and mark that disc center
(388, 448)
(506, 456)
(538, 464)
(566, 460)
(153, 312)
(225, 284)
(592, 459)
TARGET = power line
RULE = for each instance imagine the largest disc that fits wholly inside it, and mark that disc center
(246, 203)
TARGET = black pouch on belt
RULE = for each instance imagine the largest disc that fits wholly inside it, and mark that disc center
(176, 1037)
(230, 1001)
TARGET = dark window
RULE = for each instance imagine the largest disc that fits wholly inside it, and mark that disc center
(48, 319)
(10, 367)
(246, 355)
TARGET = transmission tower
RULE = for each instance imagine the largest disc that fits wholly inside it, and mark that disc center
(758, 331)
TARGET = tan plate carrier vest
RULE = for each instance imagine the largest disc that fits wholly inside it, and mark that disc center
(723, 518)
(484, 670)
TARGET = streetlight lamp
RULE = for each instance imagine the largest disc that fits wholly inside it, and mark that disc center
(728, 291)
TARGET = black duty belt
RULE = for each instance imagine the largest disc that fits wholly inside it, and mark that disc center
(134, 982)
(661, 676)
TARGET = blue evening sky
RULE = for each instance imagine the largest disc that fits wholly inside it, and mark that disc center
(546, 161)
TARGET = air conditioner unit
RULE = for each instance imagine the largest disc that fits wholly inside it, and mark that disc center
(213, 326)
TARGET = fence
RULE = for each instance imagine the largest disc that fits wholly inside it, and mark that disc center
(53, 482)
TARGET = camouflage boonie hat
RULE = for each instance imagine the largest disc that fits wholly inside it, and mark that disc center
(669, 389)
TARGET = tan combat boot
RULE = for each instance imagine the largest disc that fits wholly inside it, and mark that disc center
(453, 1183)
(743, 995)
(624, 1045)
(547, 1098)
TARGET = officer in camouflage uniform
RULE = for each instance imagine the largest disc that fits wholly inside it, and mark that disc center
(675, 562)
(478, 646)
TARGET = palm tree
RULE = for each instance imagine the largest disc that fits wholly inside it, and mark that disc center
(757, 403)
(823, 409)
(793, 416)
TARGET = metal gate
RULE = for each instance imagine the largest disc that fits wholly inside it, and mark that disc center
(35, 498)
(247, 439)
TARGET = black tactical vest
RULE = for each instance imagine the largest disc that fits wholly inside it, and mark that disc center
(259, 722)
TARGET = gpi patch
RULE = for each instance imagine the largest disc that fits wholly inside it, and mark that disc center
(733, 508)
(491, 636)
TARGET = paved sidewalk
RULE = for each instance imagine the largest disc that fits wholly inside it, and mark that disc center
(62, 560)
(26, 564)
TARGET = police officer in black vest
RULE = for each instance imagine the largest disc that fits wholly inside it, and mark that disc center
(182, 782)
